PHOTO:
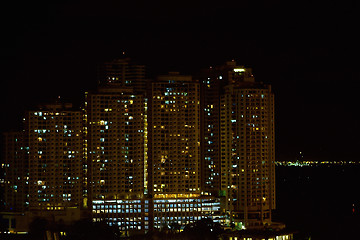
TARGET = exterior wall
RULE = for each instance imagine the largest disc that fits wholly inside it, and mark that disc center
(128, 214)
(141, 215)
(260, 235)
(122, 73)
(116, 142)
(55, 158)
(15, 167)
(213, 80)
(183, 211)
(248, 153)
(175, 135)
(210, 115)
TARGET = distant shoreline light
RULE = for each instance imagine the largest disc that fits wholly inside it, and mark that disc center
(314, 163)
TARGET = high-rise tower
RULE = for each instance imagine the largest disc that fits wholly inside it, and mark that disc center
(175, 135)
(174, 153)
(213, 80)
(55, 135)
(116, 116)
(123, 73)
(248, 150)
(116, 140)
(15, 168)
(116, 133)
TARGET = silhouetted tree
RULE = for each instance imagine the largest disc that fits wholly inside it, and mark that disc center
(88, 230)
(203, 229)
(37, 228)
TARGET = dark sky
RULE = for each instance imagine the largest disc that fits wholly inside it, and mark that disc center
(307, 50)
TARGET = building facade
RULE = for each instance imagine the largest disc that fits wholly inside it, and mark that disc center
(213, 81)
(248, 153)
(123, 73)
(116, 146)
(16, 174)
(174, 125)
(144, 214)
(116, 143)
(56, 158)
(238, 147)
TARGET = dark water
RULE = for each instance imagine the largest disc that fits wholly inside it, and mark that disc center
(320, 202)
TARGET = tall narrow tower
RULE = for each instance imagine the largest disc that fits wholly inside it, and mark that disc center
(116, 138)
(15, 168)
(248, 150)
(213, 80)
(175, 136)
(55, 157)
(116, 130)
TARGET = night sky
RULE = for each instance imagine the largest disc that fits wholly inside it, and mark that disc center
(307, 50)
